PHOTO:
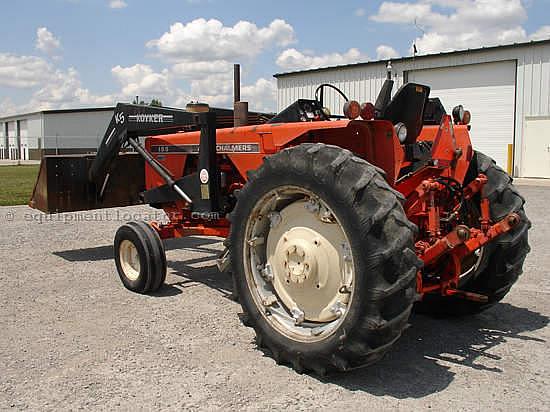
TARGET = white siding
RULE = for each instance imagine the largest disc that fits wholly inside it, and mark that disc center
(33, 138)
(78, 130)
(12, 140)
(361, 85)
(3, 148)
(532, 76)
(50, 130)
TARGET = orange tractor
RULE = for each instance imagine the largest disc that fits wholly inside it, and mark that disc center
(334, 226)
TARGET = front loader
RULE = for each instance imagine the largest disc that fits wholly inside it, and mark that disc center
(334, 226)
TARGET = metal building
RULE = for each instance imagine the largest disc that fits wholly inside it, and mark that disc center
(29, 136)
(506, 88)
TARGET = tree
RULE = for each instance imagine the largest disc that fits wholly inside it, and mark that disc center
(155, 102)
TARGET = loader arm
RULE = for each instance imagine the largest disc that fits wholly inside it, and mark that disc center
(113, 178)
(131, 121)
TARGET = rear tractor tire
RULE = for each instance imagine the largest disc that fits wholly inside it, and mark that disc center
(323, 259)
(500, 262)
(140, 258)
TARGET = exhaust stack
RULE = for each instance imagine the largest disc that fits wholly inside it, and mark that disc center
(240, 109)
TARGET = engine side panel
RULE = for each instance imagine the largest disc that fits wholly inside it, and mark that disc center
(246, 146)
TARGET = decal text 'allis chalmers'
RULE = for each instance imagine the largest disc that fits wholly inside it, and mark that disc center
(194, 148)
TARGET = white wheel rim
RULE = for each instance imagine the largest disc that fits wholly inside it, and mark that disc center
(298, 264)
(129, 260)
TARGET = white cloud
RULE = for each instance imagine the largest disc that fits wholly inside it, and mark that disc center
(198, 57)
(386, 52)
(23, 71)
(390, 12)
(543, 33)
(200, 69)
(458, 24)
(201, 53)
(64, 89)
(51, 87)
(142, 80)
(360, 12)
(262, 95)
(8, 107)
(117, 4)
(217, 90)
(46, 41)
(292, 59)
(209, 40)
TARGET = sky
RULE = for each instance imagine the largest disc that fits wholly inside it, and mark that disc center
(84, 53)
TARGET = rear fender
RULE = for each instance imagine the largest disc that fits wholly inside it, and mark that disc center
(452, 147)
(375, 141)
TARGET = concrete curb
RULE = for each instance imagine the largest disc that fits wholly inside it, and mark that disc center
(522, 181)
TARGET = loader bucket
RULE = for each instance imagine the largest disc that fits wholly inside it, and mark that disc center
(63, 184)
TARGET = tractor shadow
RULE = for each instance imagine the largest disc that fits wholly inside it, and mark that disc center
(94, 254)
(420, 362)
(195, 271)
(207, 275)
(200, 270)
(417, 365)
(187, 269)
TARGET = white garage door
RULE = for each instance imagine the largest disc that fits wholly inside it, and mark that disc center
(488, 91)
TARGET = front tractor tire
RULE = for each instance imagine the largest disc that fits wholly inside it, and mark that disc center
(501, 262)
(140, 258)
(323, 259)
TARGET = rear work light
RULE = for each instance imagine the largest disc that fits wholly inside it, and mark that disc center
(461, 116)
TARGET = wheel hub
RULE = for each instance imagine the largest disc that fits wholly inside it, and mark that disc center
(300, 267)
(300, 262)
(307, 258)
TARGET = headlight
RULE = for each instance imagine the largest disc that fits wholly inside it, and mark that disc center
(401, 132)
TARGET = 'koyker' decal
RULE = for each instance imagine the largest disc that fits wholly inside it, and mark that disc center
(150, 118)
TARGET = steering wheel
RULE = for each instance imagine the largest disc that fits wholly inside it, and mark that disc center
(320, 92)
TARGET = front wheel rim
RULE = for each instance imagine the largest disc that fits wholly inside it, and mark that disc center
(129, 260)
(299, 266)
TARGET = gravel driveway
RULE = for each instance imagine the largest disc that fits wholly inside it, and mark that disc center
(71, 337)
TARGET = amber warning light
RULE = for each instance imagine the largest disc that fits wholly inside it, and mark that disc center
(367, 111)
(352, 109)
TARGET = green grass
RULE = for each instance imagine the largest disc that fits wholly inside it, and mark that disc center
(16, 184)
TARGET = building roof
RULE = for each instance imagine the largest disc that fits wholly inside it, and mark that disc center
(418, 57)
(82, 110)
